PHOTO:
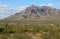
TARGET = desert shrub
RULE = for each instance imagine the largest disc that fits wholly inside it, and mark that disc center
(36, 28)
(20, 36)
(45, 36)
(53, 33)
(3, 36)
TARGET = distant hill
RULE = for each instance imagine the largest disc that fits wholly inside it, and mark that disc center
(36, 13)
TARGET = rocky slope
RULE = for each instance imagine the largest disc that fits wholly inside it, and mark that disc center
(34, 12)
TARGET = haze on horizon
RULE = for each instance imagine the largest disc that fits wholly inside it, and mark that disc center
(10, 7)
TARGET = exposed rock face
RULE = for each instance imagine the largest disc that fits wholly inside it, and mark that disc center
(34, 12)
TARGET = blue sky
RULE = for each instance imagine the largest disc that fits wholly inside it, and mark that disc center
(9, 7)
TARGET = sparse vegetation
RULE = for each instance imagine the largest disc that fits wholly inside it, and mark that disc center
(29, 29)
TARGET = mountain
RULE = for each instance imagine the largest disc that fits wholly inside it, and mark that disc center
(36, 13)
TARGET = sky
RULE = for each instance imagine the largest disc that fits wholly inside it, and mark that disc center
(10, 7)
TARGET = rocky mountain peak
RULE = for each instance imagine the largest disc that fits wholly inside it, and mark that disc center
(35, 12)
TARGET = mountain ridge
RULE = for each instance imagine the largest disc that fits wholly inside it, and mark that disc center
(34, 12)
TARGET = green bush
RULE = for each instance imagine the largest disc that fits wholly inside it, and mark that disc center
(20, 36)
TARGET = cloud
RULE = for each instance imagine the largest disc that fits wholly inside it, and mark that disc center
(20, 8)
(43, 5)
(7, 10)
(23, 7)
(47, 4)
